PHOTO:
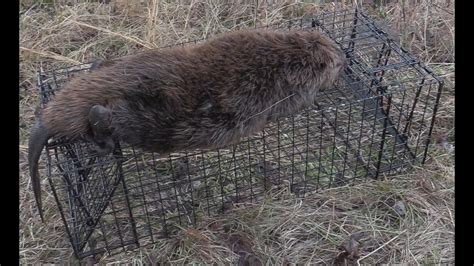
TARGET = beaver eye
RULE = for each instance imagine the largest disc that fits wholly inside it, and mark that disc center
(322, 65)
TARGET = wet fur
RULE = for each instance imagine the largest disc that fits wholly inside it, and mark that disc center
(202, 96)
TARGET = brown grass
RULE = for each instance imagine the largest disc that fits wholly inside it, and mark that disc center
(313, 230)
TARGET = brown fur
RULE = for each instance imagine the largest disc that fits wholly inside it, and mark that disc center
(200, 96)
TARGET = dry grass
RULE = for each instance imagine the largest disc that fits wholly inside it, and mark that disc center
(310, 230)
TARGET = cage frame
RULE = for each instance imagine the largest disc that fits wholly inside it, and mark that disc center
(357, 76)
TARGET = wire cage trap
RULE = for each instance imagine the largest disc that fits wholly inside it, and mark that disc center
(377, 119)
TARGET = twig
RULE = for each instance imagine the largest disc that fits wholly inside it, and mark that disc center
(291, 95)
(115, 34)
(50, 55)
(443, 9)
(377, 249)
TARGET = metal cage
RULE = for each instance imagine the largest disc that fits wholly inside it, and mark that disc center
(376, 120)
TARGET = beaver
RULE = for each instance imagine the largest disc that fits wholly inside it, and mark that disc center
(196, 96)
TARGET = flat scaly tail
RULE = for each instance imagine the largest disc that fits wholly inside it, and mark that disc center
(38, 138)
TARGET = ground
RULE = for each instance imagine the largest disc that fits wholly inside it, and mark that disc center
(351, 224)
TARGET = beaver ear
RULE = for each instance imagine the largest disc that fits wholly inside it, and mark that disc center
(99, 121)
(99, 118)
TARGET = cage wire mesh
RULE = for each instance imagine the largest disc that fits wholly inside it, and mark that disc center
(376, 119)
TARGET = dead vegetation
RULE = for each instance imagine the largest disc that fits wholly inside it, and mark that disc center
(405, 219)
